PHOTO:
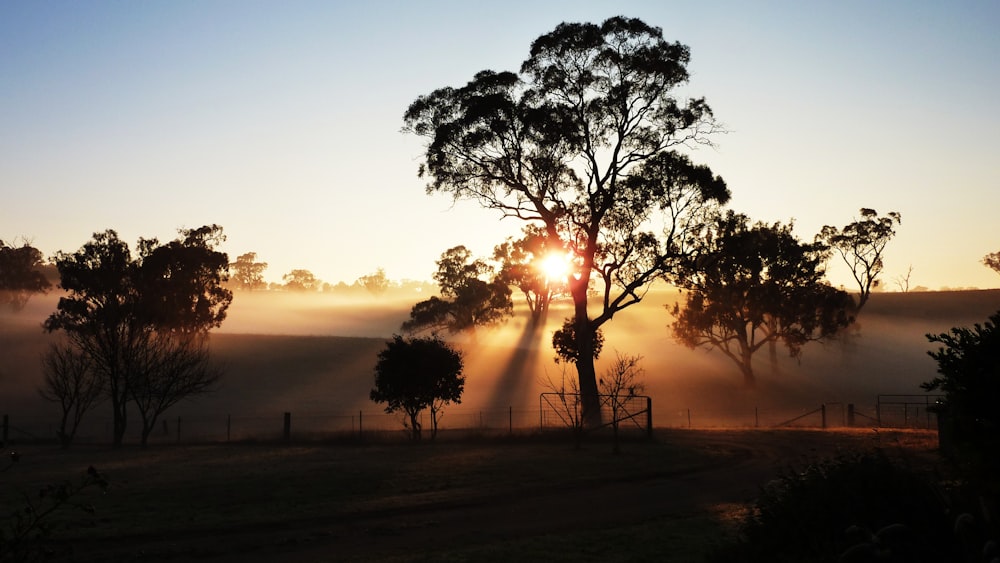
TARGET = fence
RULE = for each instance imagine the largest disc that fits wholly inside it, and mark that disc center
(635, 415)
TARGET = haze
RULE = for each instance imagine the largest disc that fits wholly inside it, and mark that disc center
(314, 354)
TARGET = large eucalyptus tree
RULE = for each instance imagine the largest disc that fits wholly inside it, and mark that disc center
(585, 141)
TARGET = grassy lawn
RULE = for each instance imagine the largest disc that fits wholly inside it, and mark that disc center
(199, 489)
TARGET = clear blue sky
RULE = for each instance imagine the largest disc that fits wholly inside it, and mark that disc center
(281, 121)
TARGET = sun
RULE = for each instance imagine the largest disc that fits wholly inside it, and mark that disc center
(555, 266)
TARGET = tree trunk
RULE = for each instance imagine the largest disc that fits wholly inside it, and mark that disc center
(746, 366)
(120, 408)
(586, 373)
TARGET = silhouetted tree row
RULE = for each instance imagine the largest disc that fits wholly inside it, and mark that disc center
(135, 326)
(20, 275)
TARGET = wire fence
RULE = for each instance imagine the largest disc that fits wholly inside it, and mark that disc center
(889, 411)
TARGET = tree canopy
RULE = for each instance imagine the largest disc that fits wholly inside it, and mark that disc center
(375, 283)
(247, 273)
(143, 318)
(861, 245)
(301, 280)
(20, 275)
(531, 263)
(413, 374)
(584, 141)
(467, 300)
(756, 284)
(992, 261)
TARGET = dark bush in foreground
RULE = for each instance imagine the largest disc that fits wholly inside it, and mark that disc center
(857, 507)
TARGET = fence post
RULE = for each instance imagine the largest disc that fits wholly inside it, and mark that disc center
(850, 415)
(288, 426)
(649, 417)
(229, 427)
(360, 428)
(756, 418)
(822, 412)
(178, 430)
(689, 419)
(6, 427)
(510, 419)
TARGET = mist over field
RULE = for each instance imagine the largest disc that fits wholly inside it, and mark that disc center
(314, 354)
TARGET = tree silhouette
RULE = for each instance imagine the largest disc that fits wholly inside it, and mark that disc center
(416, 374)
(376, 283)
(72, 381)
(247, 273)
(969, 368)
(861, 244)
(20, 276)
(132, 316)
(753, 285)
(300, 280)
(523, 265)
(992, 261)
(467, 301)
(584, 143)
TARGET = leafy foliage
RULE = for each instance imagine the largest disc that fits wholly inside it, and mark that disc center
(20, 277)
(247, 273)
(301, 280)
(861, 245)
(862, 503)
(24, 533)
(565, 341)
(992, 261)
(467, 301)
(416, 374)
(376, 283)
(969, 368)
(522, 265)
(141, 319)
(756, 284)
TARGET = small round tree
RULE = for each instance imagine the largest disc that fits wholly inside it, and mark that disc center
(413, 374)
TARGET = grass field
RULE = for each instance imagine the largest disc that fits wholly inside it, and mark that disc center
(671, 499)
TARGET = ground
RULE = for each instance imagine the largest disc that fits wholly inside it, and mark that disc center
(463, 500)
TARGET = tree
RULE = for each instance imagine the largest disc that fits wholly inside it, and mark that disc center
(752, 285)
(903, 280)
(861, 244)
(969, 368)
(247, 273)
(535, 264)
(416, 374)
(992, 261)
(120, 308)
(376, 283)
(621, 383)
(301, 280)
(467, 301)
(71, 381)
(20, 276)
(168, 367)
(583, 142)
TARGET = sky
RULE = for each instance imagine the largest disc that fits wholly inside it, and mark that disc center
(281, 121)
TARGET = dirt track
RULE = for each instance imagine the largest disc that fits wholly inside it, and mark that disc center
(487, 517)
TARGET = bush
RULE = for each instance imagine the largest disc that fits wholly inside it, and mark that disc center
(862, 503)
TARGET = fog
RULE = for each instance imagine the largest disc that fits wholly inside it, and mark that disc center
(315, 354)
